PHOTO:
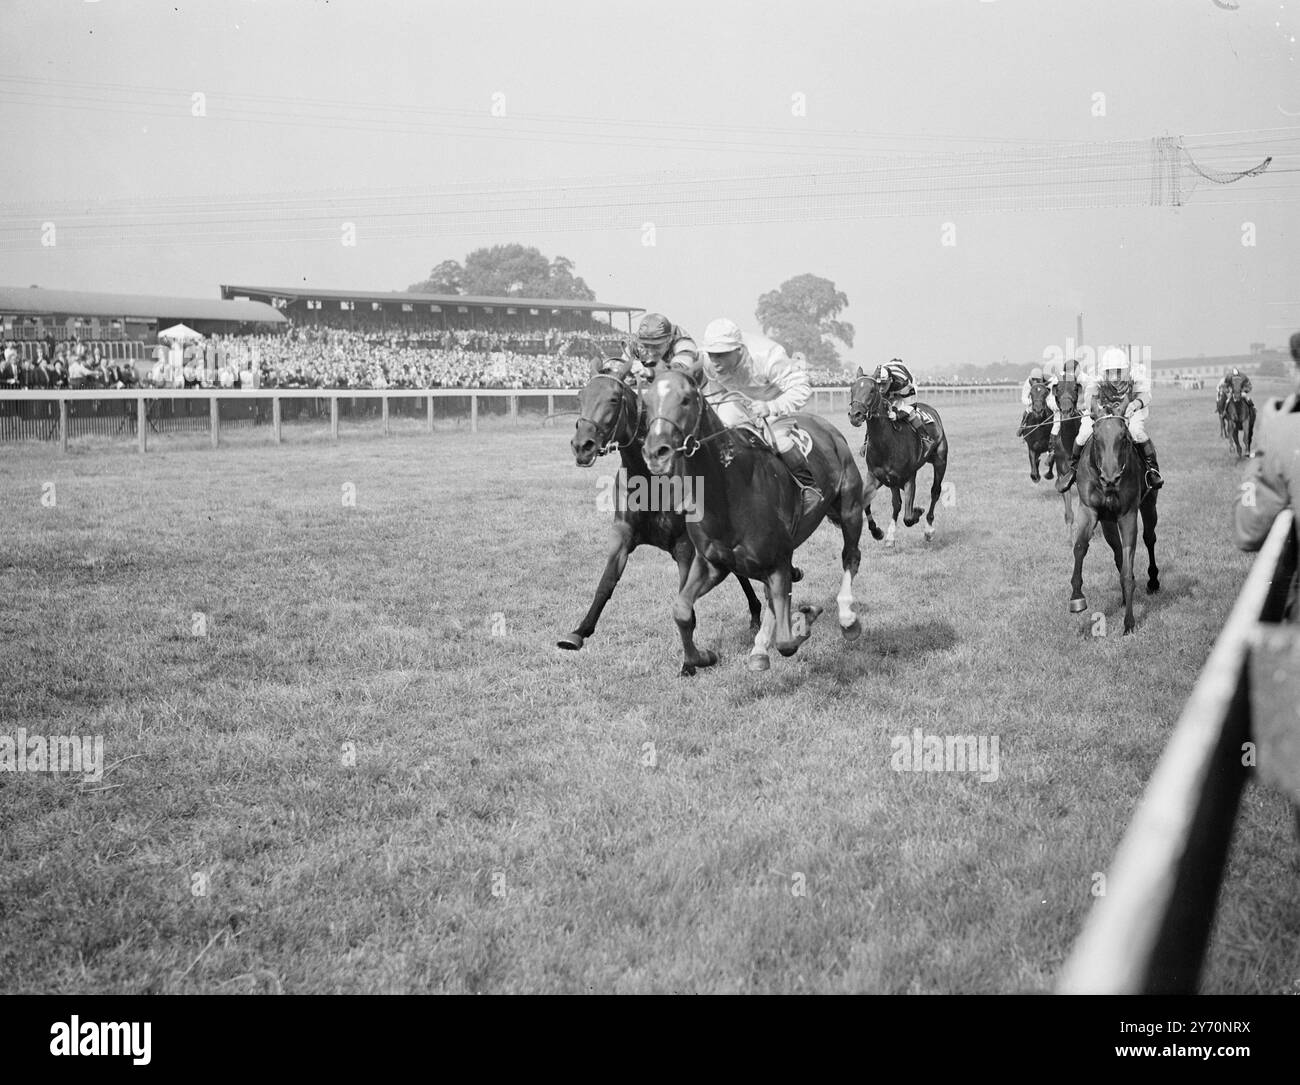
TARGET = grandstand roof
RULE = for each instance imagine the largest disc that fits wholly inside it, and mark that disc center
(35, 299)
(394, 296)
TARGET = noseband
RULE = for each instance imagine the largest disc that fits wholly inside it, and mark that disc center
(624, 391)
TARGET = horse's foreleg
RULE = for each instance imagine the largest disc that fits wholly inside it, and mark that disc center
(755, 607)
(1128, 528)
(1149, 519)
(897, 497)
(702, 578)
(759, 657)
(620, 547)
(1033, 462)
(1051, 461)
(791, 629)
(869, 488)
(1083, 526)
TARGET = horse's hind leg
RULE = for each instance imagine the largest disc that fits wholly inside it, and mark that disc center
(936, 491)
(892, 529)
(1149, 520)
(913, 513)
(620, 547)
(849, 515)
(869, 488)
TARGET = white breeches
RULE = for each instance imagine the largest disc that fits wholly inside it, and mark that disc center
(1137, 427)
(732, 413)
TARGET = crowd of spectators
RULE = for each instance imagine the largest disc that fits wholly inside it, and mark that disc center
(64, 365)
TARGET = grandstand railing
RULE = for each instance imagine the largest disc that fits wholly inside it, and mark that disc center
(50, 414)
(1148, 933)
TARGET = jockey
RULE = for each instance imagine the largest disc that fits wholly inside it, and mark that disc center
(1117, 388)
(760, 371)
(895, 381)
(659, 342)
(1026, 397)
(1052, 373)
(1232, 376)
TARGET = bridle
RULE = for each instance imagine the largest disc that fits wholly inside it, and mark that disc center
(624, 390)
(874, 411)
(692, 442)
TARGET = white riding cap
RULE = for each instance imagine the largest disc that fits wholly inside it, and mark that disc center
(1035, 374)
(722, 336)
(1114, 359)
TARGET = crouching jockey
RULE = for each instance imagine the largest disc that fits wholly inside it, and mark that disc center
(658, 343)
(896, 385)
(1117, 389)
(759, 371)
(1036, 376)
(1053, 372)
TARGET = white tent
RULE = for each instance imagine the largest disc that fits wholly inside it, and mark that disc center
(179, 332)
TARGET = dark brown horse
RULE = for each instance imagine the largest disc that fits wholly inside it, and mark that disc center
(892, 451)
(750, 511)
(1239, 417)
(1038, 429)
(612, 418)
(1111, 479)
(1067, 402)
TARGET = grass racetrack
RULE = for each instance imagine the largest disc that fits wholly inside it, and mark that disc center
(344, 754)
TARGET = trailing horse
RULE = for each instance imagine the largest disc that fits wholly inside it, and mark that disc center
(892, 453)
(1239, 415)
(1037, 430)
(750, 511)
(612, 418)
(1067, 402)
(1111, 479)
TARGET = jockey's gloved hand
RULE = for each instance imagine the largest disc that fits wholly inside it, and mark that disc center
(1131, 409)
(760, 407)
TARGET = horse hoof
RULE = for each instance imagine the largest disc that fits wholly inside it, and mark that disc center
(1033, 479)
(928, 532)
(1078, 606)
(759, 662)
(796, 574)
(571, 641)
(707, 658)
(852, 632)
(1153, 586)
(788, 648)
(889, 543)
(1128, 632)
(876, 533)
(687, 671)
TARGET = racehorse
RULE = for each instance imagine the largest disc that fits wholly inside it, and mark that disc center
(612, 417)
(1067, 402)
(750, 510)
(892, 452)
(1238, 414)
(1111, 478)
(1038, 429)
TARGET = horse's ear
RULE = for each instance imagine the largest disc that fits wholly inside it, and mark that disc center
(596, 364)
(860, 373)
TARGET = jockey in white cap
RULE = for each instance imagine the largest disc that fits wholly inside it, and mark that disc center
(760, 372)
(1118, 387)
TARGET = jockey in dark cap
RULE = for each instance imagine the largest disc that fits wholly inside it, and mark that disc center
(658, 343)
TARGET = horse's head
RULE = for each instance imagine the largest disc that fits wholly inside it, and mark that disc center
(675, 406)
(1038, 396)
(864, 398)
(1067, 395)
(608, 413)
(1111, 449)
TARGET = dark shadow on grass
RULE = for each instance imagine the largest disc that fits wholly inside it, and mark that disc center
(884, 643)
(1104, 595)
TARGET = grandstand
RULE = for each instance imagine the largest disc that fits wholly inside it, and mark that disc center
(402, 311)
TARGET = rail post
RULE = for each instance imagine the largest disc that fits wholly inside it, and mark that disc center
(214, 413)
(473, 413)
(429, 423)
(141, 425)
(383, 410)
(63, 425)
(334, 417)
(275, 418)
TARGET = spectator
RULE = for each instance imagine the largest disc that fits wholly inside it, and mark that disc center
(1273, 476)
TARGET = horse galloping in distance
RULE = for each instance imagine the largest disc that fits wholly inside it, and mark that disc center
(751, 510)
(1238, 416)
(1067, 403)
(612, 418)
(1037, 430)
(892, 453)
(1111, 478)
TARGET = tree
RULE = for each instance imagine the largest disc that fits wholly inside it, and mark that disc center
(507, 271)
(802, 315)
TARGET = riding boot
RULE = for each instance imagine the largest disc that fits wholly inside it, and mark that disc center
(922, 431)
(1148, 450)
(798, 465)
(1066, 478)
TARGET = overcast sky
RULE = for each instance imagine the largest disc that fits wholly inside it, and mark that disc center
(363, 96)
